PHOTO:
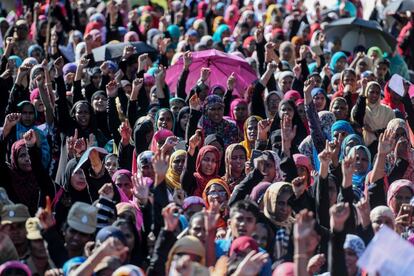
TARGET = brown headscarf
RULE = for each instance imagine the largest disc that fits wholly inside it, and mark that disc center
(189, 245)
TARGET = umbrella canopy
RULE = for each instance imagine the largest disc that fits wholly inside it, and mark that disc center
(355, 31)
(221, 65)
(399, 6)
(113, 51)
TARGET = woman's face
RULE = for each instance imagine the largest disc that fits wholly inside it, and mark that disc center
(23, 160)
(82, 115)
(362, 66)
(209, 164)
(351, 143)
(215, 112)
(78, 180)
(340, 110)
(240, 112)
(333, 192)
(301, 112)
(111, 165)
(99, 103)
(374, 94)
(147, 171)
(287, 53)
(129, 236)
(273, 103)
(237, 161)
(178, 164)
(349, 79)
(197, 229)
(218, 193)
(379, 221)
(351, 261)
(125, 184)
(261, 235)
(184, 121)
(28, 115)
(286, 110)
(252, 130)
(39, 106)
(165, 120)
(340, 65)
(380, 71)
(361, 162)
(96, 79)
(320, 102)
(283, 209)
(269, 170)
(302, 171)
(404, 195)
(219, 92)
(176, 106)
(285, 84)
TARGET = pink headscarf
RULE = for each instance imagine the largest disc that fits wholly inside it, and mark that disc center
(15, 265)
(231, 20)
(395, 187)
(131, 36)
(34, 94)
(161, 134)
(302, 160)
(292, 95)
(233, 105)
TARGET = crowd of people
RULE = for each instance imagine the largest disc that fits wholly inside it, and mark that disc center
(107, 170)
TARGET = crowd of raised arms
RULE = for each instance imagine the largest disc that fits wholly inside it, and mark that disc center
(160, 161)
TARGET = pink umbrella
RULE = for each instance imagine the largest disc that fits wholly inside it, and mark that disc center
(221, 65)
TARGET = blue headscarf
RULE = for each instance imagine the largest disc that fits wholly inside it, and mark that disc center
(174, 32)
(358, 179)
(345, 142)
(342, 125)
(69, 264)
(317, 90)
(219, 32)
(337, 56)
(17, 60)
(44, 145)
(32, 48)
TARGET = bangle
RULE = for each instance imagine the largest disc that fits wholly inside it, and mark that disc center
(300, 256)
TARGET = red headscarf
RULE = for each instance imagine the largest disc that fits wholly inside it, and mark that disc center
(201, 10)
(242, 244)
(233, 105)
(292, 95)
(231, 20)
(388, 100)
(201, 178)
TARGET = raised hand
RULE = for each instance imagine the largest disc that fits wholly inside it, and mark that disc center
(386, 142)
(195, 140)
(205, 74)
(45, 215)
(11, 120)
(113, 247)
(252, 264)
(171, 215)
(160, 75)
(297, 70)
(303, 51)
(272, 67)
(315, 263)
(112, 89)
(287, 129)
(304, 225)
(141, 189)
(125, 131)
(309, 85)
(339, 214)
(142, 62)
(160, 163)
(195, 103)
(263, 128)
(107, 190)
(364, 210)
(129, 50)
(136, 87)
(30, 138)
(299, 186)
(348, 168)
(402, 149)
(58, 64)
(326, 155)
(169, 144)
(231, 81)
(163, 44)
(79, 146)
(188, 59)
(104, 68)
(211, 217)
(70, 142)
(84, 63)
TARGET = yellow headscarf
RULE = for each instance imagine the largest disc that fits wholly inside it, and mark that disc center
(376, 117)
(172, 178)
(217, 22)
(189, 245)
(245, 143)
(272, 8)
(270, 207)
